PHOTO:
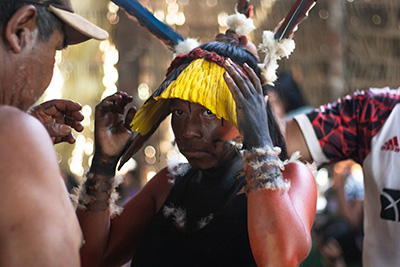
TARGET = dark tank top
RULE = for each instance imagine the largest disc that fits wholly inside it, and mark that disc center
(203, 222)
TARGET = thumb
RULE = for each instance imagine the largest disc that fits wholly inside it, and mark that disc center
(59, 130)
(129, 116)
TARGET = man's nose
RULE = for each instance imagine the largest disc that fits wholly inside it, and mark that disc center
(192, 129)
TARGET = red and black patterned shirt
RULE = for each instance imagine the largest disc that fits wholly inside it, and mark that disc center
(345, 128)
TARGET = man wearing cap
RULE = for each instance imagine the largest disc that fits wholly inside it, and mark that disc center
(38, 226)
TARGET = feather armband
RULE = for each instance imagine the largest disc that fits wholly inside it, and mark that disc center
(263, 169)
(98, 195)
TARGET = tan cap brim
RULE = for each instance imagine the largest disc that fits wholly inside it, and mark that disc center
(78, 29)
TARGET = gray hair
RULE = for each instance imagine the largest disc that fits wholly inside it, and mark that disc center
(47, 22)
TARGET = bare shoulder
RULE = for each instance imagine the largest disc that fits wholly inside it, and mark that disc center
(303, 190)
(299, 175)
(19, 126)
(150, 198)
(160, 186)
(297, 168)
(37, 213)
(161, 179)
(27, 155)
(166, 177)
(28, 163)
(26, 145)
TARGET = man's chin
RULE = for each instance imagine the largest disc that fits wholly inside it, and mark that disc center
(202, 164)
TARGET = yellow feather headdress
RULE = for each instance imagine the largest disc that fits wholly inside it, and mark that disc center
(200, 78)
(200, 82)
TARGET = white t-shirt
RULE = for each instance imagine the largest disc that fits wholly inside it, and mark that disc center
(366, 128)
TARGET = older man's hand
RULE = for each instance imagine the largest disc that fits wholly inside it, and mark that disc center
(59, 117)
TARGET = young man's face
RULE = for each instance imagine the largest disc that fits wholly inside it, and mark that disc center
(200, 135)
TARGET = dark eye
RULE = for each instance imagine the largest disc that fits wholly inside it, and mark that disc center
(208, 113)
(177, 112)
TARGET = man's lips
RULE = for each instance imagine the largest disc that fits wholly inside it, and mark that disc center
(194, 152)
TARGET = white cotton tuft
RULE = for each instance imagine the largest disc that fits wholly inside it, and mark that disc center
(180, 218)
(186, 46)
(178, 215)
(177, 166)
(118, 179)
(274, 51)
(203, 222)
(114, 208)
(168, 211)
(294, 158)
(241, 24)
(313, 168)
(177, 169)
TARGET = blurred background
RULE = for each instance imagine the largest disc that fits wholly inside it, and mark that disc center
(344, 46)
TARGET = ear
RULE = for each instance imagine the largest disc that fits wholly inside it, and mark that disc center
(243, 40)
(20, 28)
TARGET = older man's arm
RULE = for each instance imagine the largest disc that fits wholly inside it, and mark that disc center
(38, 226)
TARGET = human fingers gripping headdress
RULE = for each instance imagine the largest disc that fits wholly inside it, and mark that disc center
(196, 76)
